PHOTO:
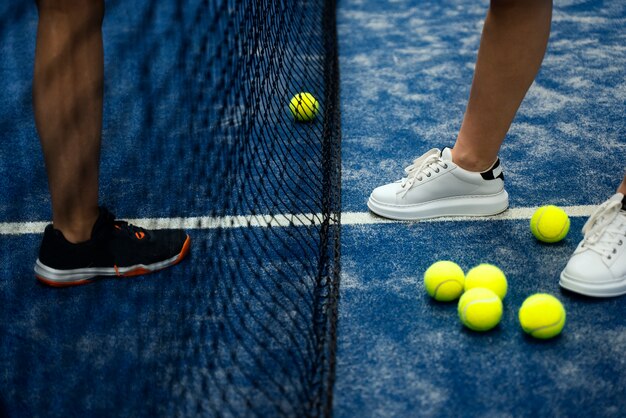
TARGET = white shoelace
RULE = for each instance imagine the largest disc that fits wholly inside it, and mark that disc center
(605, 229)
(423, 166)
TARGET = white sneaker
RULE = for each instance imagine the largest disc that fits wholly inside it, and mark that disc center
(598, 265)
(435, 186)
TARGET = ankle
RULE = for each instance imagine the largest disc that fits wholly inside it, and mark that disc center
(74, 234)
(77, 229)
(470, 161)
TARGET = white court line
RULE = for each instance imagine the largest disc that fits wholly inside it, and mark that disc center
(347, 218)
(363, 218)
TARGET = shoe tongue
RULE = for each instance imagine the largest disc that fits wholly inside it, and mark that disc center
(446, 154)
(623, 198)
(619, 197)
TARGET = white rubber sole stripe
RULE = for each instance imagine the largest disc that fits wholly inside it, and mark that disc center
(71, 276)
(347, 218)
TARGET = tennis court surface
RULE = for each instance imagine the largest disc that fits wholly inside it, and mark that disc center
(295, 300)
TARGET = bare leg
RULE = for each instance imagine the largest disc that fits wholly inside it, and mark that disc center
(67, 100)
(622, 187)
(513, 43)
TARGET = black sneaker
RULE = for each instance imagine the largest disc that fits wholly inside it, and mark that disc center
(116, 248)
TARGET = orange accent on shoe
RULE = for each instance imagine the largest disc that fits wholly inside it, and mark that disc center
(140, 235)
(137, 272)
(184, 250)
(117, 272)
(61, 284)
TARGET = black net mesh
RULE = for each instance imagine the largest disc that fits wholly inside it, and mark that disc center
(198, 129)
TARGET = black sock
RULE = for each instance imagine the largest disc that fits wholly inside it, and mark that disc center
(624, 203)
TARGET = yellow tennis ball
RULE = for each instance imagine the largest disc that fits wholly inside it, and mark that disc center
(444, 281)
(304, 107)
(480, 309)
(549, 224)
(542, 316)
(487, 276)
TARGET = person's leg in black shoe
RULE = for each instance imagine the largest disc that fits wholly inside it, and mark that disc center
(115, 248)
(67, 102)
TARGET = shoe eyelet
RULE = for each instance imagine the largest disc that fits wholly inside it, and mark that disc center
(609, 257)
(427, 174)
(620, 242)
(445, 166)
(437, 170)
(614, 251)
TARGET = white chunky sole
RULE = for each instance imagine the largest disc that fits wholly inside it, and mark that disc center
(482, 205)
(602, 290)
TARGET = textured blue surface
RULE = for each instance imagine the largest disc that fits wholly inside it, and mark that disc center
(401, 354)
(233, 325)
(151, 114)
(406, 68)
(406, 72)
(150, 345)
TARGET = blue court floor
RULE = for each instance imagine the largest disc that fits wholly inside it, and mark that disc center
(406, 68)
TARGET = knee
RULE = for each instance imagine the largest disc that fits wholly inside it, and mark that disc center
(74, 12)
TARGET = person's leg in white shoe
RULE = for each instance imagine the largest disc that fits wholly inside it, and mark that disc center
(513, 43)
(467, 180)
(598, 265)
